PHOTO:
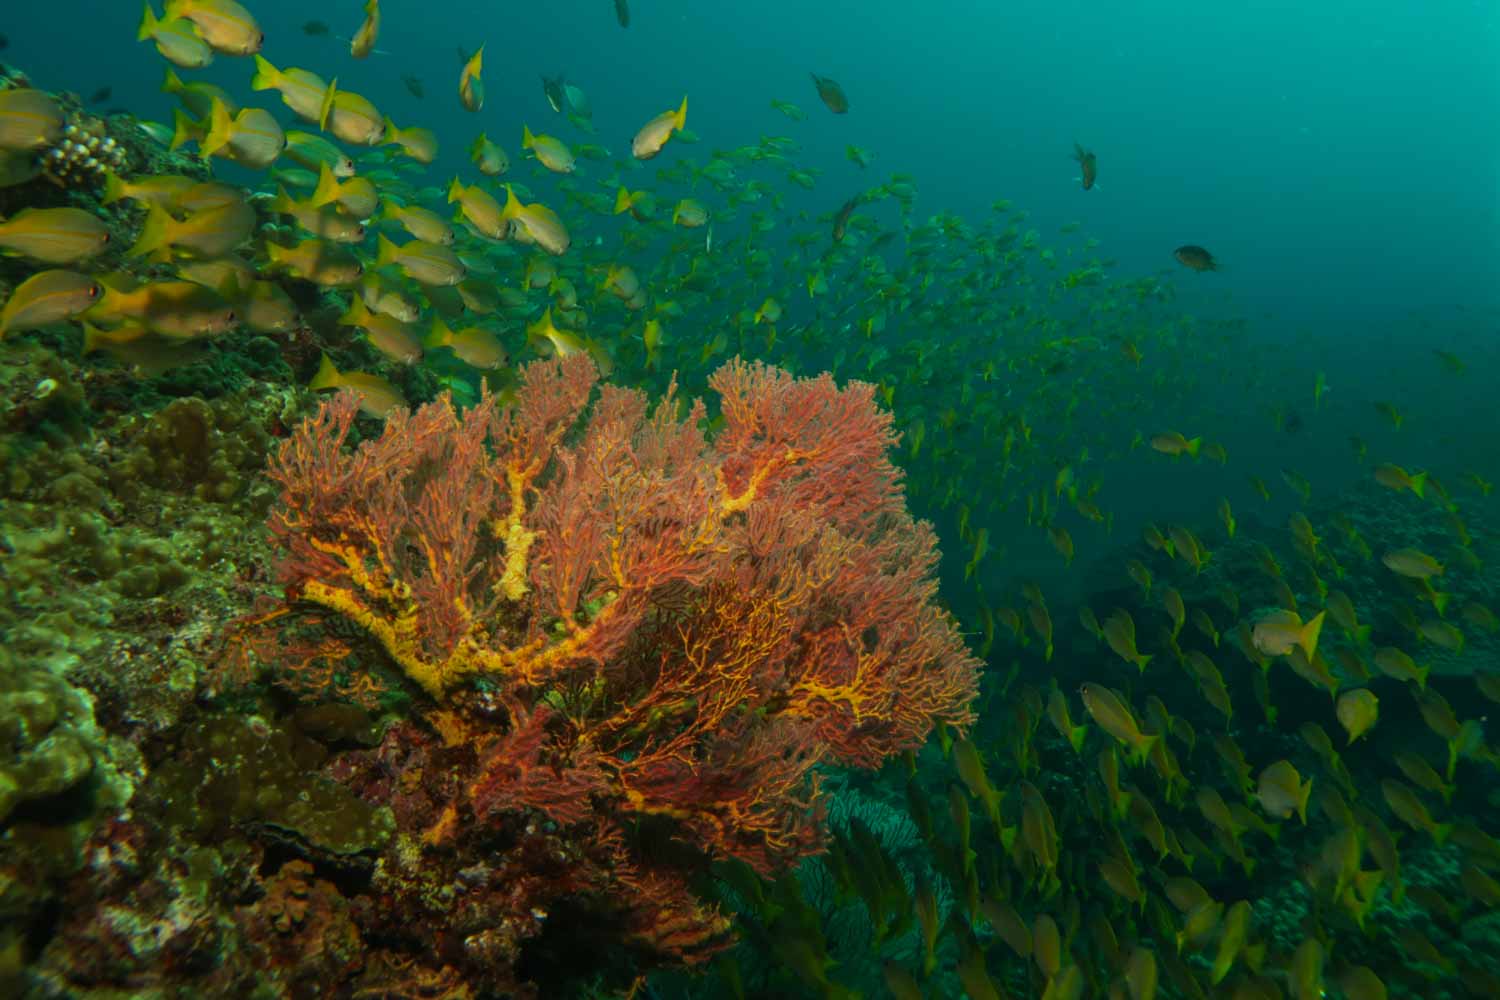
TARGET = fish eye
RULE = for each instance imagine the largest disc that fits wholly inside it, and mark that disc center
(94, 291)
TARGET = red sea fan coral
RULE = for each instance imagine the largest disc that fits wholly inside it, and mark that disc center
(619, 624)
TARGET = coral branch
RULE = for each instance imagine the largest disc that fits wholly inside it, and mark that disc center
(621, 626)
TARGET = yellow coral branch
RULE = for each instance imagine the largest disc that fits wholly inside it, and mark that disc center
(518, 540)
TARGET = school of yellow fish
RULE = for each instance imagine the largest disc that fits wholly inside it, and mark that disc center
(1115, 844)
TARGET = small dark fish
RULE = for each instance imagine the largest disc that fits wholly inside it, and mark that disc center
(622, 12)
(1087, 163)
(553, 90)
(315, 28)
(4, 43)
(414, 84)
(100, 96)
(1195, 258)
(841, 221)
(1292, 423)
(832, 94)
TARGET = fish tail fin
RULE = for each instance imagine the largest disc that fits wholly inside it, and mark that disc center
(283, 202)
(1306, 793)
(1362, 633)
(1141, 659)
(219, 126)
(183, 128)
(326, 107)
(154, 232)
(1076, 736)
(1138, 755)
(623, 202)
(681, 118)
(266, 75)
(527, 139)
(1419, 485)
(1307, 638)
(1440, 601)
(477, 145)
(114, 188)
(327, 190)
(455, 190)
(149, 23)
(512, 207)
(386, 252)
(1440, 832)
(327, 377)
(1193, 445)
(172, 84)
(93, 338)
(1422, 673)
(356, 314)
(440, 335)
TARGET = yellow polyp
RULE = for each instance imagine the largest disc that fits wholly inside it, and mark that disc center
(809, 690)
(636, 802)
(518, 540)
(518, 543)
(398, 637)
(735, 504)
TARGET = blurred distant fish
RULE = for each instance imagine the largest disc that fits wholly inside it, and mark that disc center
(1087, 163)
(577, 101)
(470, 86)
(101, 95)
(622, 12)
(363, 42)
(789, 109)
(1195, 258)
(552, 89)
(4, 43)
(841, 220)
(832, 94)
(314, 28)
(414, 85)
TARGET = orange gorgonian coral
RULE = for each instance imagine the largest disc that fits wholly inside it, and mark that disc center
(620, 626)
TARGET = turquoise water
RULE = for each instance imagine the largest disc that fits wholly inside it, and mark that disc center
(230, 780)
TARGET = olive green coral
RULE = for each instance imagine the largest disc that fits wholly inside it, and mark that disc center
(49, 744)
(234, 771)
(209, 449)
